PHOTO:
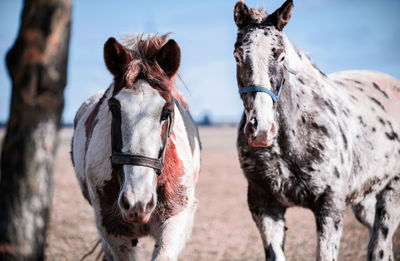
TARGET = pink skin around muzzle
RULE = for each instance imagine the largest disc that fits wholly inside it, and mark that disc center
(260, 141)
(139, 218)
(259, 138)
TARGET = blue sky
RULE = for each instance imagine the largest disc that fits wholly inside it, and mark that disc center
(338, 35)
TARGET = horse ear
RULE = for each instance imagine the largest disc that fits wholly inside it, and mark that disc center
(116, 56)
(241, 14)
(281, 16)
(169, 58)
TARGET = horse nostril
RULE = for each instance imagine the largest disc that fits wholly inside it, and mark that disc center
(272, 131)
(250, 129)
(124, 203)
(150, 205)
(136, 214)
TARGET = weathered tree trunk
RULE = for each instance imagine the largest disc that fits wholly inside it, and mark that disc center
(37, 64)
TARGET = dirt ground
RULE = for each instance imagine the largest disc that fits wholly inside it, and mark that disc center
(223, 227)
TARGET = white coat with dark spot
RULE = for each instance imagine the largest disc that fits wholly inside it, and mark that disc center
(330, 141)
(133, 116)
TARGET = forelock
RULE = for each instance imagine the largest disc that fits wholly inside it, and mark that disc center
(144, 48)
(258, 14)
(247, 37)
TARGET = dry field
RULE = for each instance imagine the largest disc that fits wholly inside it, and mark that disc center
(223, 227)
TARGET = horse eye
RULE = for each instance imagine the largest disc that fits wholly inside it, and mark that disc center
(283, 58)
(165, 114)
(237, 59)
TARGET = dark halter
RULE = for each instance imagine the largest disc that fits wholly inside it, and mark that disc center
(118, 158)
(274, 97)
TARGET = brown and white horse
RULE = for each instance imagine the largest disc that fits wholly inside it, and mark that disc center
(318, 141)
(136, 151)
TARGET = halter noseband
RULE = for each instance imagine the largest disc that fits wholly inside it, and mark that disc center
(118, 158)
(274, 97)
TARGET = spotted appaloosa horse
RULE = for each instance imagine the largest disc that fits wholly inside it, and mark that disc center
(136, 151)
(325, 142)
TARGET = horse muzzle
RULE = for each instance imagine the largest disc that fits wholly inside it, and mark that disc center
(262, 140)
(136, 211)
(137, 218)
(259, 138)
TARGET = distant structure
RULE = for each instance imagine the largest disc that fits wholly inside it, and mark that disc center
(206, 121)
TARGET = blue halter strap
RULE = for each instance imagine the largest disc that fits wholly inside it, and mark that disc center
(274, 97)
(255, 88)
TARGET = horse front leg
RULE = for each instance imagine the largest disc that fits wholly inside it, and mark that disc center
(116, 248)
(269, 217)
(329, 215)
(173, 234)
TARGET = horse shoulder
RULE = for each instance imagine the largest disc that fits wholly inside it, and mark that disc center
(80, 140)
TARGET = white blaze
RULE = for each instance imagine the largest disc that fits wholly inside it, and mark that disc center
(141, 135)
(259, 55)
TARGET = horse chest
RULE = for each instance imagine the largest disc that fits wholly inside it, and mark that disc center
(288, 183)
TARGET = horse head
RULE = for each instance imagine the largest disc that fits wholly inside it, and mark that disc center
(261, 71)
(142, 113)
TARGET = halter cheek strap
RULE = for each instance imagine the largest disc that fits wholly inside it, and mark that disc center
(274, 97)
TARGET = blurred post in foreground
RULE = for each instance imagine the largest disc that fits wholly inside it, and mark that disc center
(37, 64)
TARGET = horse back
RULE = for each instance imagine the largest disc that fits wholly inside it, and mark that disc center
(381, 88)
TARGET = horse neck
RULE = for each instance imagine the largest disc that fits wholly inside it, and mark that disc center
(300, 91)
(301, 63)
